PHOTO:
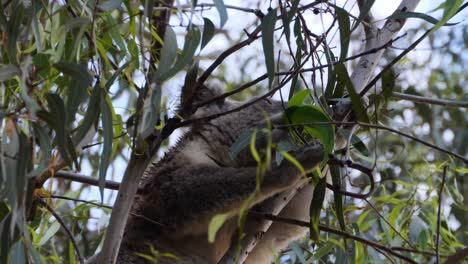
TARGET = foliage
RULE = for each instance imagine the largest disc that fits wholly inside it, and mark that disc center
(72, 72)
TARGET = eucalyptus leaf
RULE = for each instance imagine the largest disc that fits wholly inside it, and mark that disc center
(208, 32)
(316, 207)
(268, 30)
(215, 224)
(223, 15)
(110, 5)
(108, 135)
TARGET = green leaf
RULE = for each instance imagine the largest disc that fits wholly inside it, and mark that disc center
(363, 13)
(17, 253)
(190, 80)
(108, 135)
(56, 119)
(190, 46)
(49, 233)
(77, 71)
(134, 53)
(332, 75)
(298, 98)
(110, 5)
(356, 104)
(415, 229)
(5, 236)
(345, 32)
(4, 210)
(168, 52)
(268, 30)
(208, 32)
(92, 114)
(337, 197)
(151, 110)
(44, 143)
(113, 31)
(223, 15)
(388, 83)
(428, 18)
(14, 28)
(316, 207)
(215, 224)
(355, 141)
(312, 114)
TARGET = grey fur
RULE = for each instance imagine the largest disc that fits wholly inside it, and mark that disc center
(197, 179)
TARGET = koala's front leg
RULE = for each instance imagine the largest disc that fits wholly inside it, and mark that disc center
(188, 202)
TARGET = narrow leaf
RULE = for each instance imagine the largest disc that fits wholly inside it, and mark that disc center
(316, 207)
(223, 15)
(358, 108)
(208, 32)
(168, 52)
(108, 135)
(110, 5)
(191, 43)
(215, 224)
(268, 29)
(363, 13)
(345, 32)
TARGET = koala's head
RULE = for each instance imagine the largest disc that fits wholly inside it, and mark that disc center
(193, 101)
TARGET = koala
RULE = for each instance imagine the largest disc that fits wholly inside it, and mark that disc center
(198, 179)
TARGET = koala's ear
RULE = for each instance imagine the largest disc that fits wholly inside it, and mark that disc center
(202, 94)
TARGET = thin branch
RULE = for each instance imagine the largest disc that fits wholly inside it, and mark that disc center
(302, 70)
(423, 252)
(80, 201)
(356, 166)
(428, 100)
(60, 221)
(328, 229)
(456, 155)
(437, 244)
(251, 37)
(68, 175)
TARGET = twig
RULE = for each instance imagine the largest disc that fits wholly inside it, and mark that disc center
(80, 201)
(423, 252)
(444, 174)
(456, 155)
(428, 100)
(59, 219)
(333, 231)
(356, 166)
(302, 70)
(112, 185)
(251, 37)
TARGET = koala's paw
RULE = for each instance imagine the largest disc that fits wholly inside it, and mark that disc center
(310, 156)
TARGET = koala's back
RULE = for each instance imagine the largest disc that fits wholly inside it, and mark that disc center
(172, 223)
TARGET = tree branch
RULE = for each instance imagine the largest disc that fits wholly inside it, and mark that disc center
(428, 100)
(366, 65)
(456, 155)
(68, 175)
(59, 219)
(140, 157)
(328, 229)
